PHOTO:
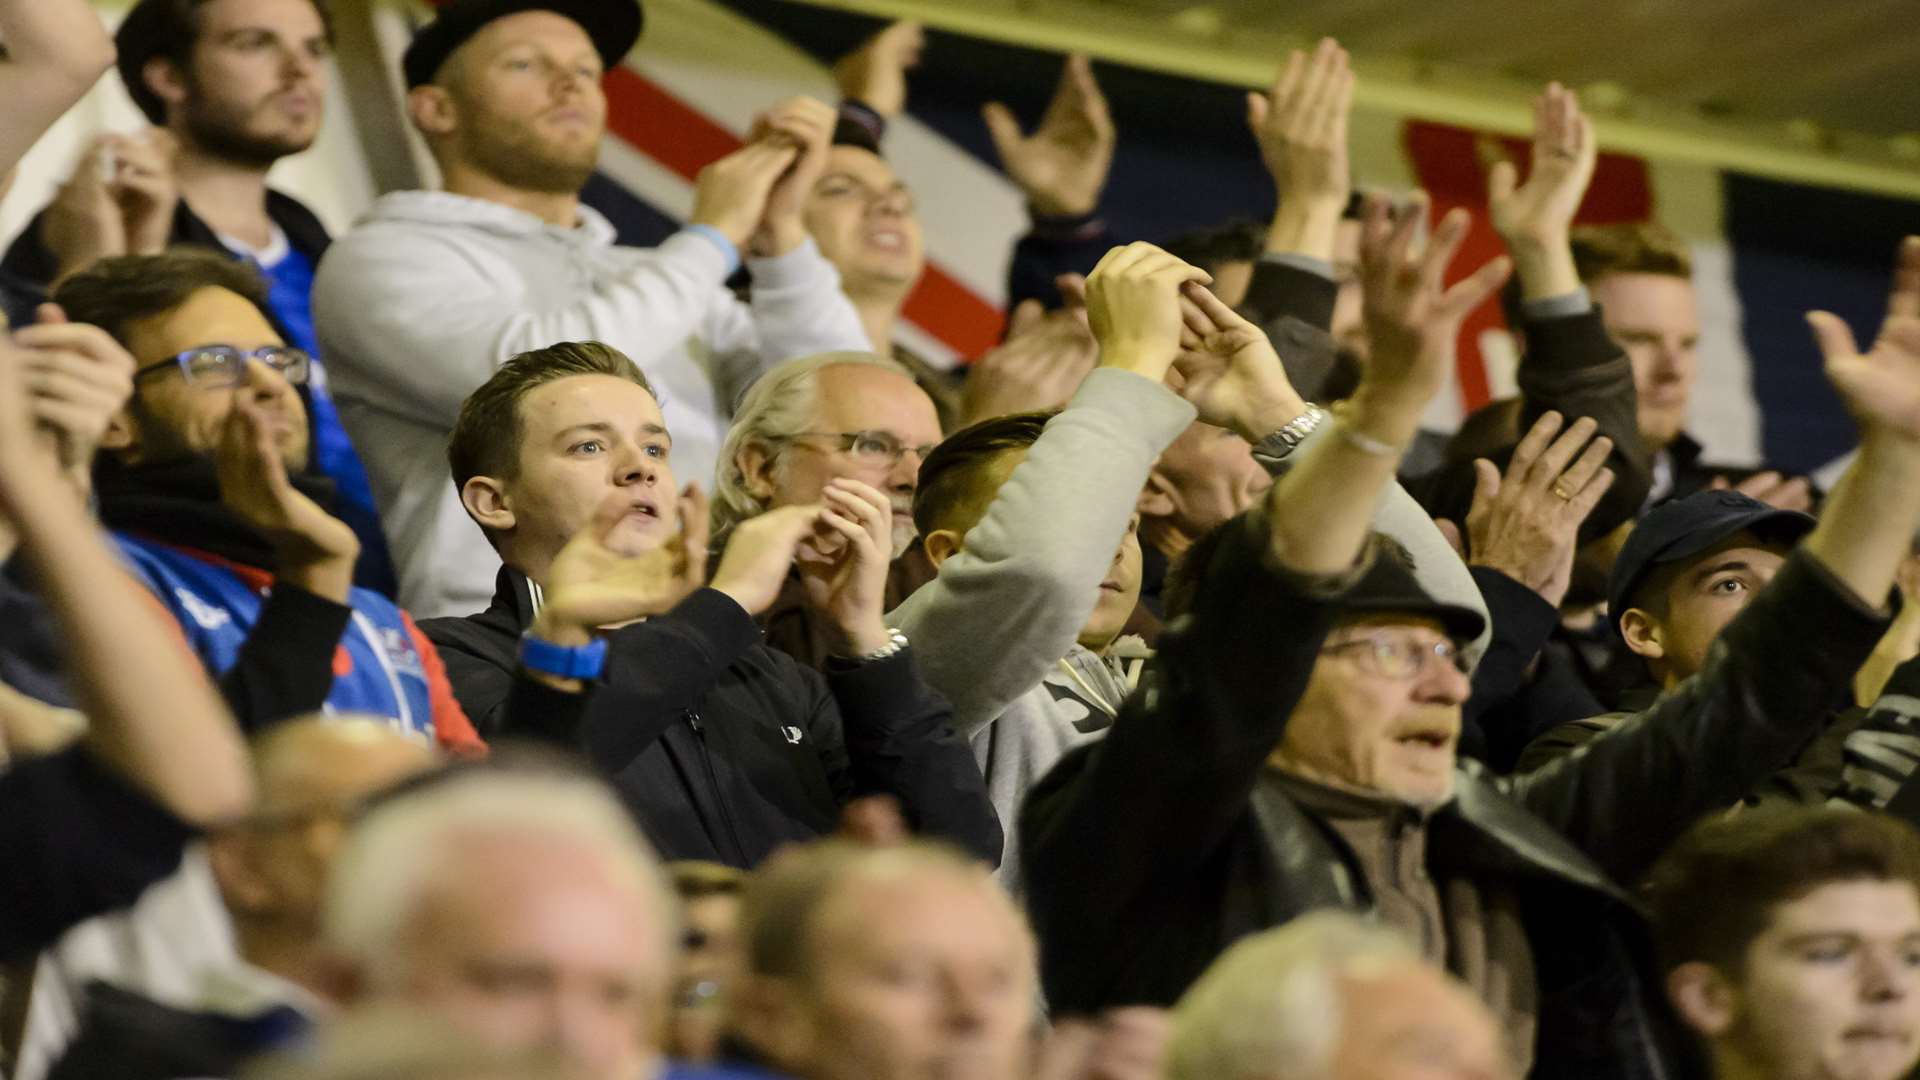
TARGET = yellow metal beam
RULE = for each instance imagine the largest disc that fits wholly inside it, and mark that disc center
(1200, 48)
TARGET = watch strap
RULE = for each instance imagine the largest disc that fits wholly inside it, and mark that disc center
(563, 661)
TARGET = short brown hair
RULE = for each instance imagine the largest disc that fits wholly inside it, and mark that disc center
(1636, 248)
(116, 292)
(1714, 891)
(786, 895)
(950, 491)
(166, 29)
(485, 440)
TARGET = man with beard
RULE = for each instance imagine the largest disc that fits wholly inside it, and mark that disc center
(434, 291)
(232, 86)
(204, 477)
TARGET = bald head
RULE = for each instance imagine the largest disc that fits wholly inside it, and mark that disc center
(831, 930)
(311, 774)
(323, 759)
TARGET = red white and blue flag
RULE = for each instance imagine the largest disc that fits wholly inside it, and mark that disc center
(1765, 251)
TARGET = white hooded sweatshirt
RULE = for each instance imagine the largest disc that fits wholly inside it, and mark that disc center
(431, 292)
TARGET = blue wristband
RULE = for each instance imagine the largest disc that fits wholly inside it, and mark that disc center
(561, 661)
(719, 239)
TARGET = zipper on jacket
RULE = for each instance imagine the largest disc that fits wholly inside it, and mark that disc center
(713, 783)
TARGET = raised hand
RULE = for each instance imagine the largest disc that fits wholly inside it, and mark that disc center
(1062, 167)
(731, 194)
(1227, 368)
(146, 190)
(1526, 524)
(1301, 126)
(759, 554)
(78, 379)
(875, 75)
(1133, 307)
(590, 585)
(84, 223)
(806, 124)
(1413, 317)
(1777, 491)
(1039, 366)
(1534, 218)
(314, 549)
(29, 452)
(843, 564)
(1881, 387)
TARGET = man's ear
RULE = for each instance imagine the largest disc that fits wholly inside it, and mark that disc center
(167, 82)
(766, 1012)
(487, 503)
(432, 110)
(241, 887)
(1156, 499)
(1645, 636)
(122, 435)
(1703, 997)
(941, 545)
(755, 461)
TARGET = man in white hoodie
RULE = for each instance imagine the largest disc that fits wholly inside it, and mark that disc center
(432, 291)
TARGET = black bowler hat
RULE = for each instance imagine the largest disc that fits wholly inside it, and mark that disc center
(1390, 588)
(614, 26)
(1686, 527)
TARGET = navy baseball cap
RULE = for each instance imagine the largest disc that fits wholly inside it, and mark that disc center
(1686, 527)
(1390, 588)
(613, 25)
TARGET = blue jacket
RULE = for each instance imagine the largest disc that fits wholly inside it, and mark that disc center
(381, 666)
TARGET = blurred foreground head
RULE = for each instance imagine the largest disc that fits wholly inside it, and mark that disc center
(889, 963)
(1329, 997)
(1791, 942)
(523, 908)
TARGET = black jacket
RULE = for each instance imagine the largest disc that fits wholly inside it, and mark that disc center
(724, 748)
(1146, 856)
(76, 840)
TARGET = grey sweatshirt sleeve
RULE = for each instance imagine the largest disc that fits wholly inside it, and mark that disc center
(1010, 604)
(796, 309)
(1437, 566)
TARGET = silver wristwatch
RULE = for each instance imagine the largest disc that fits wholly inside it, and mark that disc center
(896, 641)
(1294, 432)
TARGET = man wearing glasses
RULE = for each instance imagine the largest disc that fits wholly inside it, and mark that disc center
(809, 422)
(205, 477)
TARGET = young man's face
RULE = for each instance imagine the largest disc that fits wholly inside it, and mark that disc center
(857, 398)
(530, 943)
(863, 218)
(256, 87)
(531, 108)
(930, 975)
(1360, 730)
(1656, 319)
(170, 418)
(1119, 593)
(583, 438)
(1701, 597)
(1831, 988)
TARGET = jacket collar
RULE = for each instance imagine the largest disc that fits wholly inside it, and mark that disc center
(515, 598)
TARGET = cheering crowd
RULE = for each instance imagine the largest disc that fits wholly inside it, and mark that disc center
(471, 647)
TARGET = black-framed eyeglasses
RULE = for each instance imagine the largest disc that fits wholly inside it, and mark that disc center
(1392, 656)
(213, 367)
(877, 447)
